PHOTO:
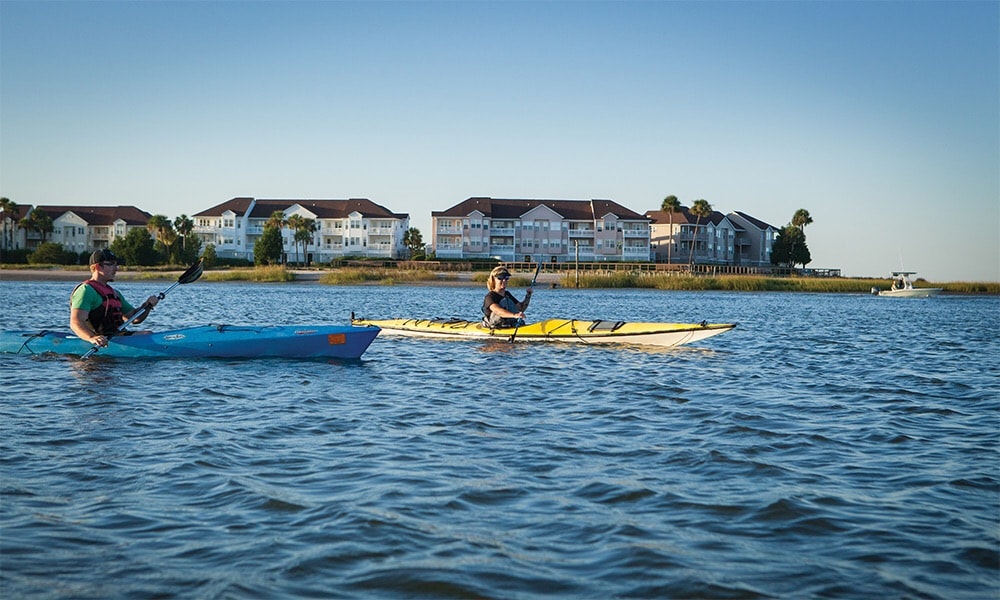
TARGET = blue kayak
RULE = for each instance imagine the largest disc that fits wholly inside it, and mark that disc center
(209, 341)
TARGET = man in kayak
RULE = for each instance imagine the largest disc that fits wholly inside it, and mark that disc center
(500, 308)
(97, 310)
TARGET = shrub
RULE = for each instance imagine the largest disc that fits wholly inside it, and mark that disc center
(51, 253)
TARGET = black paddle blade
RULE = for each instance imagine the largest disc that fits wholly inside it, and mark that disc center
(193, 272)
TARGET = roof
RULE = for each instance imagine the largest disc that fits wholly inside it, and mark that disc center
(754, 221)
(323, 209)
(683, 217)
(510, 208)
(236, 205)
(100, 215)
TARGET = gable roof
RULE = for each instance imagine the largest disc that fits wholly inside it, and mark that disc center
(323, 209)
(754, 221)
(236, 205)
(100, 215)
(511, 208)
(327, 209)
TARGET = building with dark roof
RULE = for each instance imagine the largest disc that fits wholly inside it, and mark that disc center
(720, 239)
(753, 246)
(540, 230)
(83, 228)
(355, 227)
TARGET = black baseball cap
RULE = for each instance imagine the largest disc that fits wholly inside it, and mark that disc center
(104, 255)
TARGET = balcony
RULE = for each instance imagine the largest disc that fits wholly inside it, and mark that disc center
(636, 252)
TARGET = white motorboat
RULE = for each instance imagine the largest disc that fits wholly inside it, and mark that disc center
(902, 287)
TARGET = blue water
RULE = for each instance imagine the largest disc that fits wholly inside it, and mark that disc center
(837, 445)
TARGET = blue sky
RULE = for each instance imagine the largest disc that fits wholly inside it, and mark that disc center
(882, 119)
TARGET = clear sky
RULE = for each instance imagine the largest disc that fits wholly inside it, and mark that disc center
(882, 119)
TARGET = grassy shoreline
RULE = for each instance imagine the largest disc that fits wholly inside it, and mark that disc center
(612, 280)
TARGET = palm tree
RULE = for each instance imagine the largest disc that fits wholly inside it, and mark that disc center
(277, 219)
(413, 241)
(295, 223)
(163, 231)
(184, 227)
(158, 225)
(670, 205)
(304, 231)
(700, 208)
(8, 210)
(800, 219)
(37, 220)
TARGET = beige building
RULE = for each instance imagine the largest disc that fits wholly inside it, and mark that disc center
(540, 230)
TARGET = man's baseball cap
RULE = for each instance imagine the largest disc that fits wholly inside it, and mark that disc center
(104, 255)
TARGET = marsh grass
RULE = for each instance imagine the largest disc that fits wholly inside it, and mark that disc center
(748, 283)
(354, 276)
(268, 274)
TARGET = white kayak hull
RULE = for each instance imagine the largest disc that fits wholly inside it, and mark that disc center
(555, 330)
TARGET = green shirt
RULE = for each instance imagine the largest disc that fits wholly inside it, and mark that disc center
(87, 298)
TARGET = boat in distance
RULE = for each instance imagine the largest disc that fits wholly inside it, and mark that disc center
(902, 287)
(207, 341)
(555, 330)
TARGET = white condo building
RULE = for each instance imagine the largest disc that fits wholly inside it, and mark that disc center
(356, 227)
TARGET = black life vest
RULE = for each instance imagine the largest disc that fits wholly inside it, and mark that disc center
(507, 302)
(107, 317)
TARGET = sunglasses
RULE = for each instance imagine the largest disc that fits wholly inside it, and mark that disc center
(109, 264)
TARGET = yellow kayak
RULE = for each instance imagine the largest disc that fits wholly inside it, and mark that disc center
(555, 330)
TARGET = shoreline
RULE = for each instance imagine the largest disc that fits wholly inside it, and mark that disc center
(463, 278)
(545, 280)
(301, 276)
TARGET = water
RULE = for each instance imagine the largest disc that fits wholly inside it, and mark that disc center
(830, 446)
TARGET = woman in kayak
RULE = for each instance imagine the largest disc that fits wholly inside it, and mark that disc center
(97, 310)
(500, 308)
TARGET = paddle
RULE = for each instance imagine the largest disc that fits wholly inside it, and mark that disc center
(192, 274)
(538, 267)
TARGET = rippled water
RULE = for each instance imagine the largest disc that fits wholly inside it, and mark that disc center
(830, 446)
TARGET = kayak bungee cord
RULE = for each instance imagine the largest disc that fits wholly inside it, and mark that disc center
(24, 345)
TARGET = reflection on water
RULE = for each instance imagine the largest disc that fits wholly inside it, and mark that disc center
(831, 445)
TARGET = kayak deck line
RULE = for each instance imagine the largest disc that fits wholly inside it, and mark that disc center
(555, 330)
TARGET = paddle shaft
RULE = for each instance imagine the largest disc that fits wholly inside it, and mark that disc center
(538, 268)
